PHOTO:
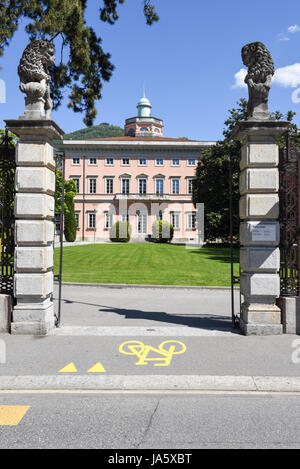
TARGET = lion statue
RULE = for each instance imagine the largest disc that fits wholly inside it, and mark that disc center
(259, 78)
(35, 78)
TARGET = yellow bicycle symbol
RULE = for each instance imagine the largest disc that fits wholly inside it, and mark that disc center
(166, 350)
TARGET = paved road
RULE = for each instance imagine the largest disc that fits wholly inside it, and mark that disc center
(153, 421)
(96, 321)
(97, 306)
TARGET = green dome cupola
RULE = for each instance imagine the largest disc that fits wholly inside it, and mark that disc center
(144, 107)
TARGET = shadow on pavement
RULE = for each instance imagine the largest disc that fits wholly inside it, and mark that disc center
(202, 321)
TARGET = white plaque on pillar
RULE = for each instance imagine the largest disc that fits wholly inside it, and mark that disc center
(263, 232)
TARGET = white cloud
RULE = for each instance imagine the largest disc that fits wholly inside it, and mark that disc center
(296, 96)
(284, 38)
(288, 76)
(294, 29)
(239, 78)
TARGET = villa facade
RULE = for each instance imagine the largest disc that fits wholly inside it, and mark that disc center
(139, 178)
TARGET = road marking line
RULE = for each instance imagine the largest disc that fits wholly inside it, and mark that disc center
(12, 415)
(71, 368)
(98, 368)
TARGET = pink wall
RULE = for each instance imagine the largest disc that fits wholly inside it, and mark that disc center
(102, 202)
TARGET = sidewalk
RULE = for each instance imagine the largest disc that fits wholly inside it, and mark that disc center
(97, 321)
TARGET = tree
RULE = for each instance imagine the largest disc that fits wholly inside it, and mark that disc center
(70, 225)
(63, 21)
(13, 138)
(212, 175)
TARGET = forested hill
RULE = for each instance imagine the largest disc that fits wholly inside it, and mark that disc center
(102, 130)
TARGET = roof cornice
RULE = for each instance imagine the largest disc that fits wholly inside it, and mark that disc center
(131, 145)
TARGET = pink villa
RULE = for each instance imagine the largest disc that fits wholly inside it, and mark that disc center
(139, 178)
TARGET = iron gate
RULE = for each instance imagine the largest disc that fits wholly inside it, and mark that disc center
(60, 166)
(234, 222)
(7, 219)
(289, 200)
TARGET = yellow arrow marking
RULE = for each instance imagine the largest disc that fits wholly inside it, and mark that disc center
(71, 368)
(98, 368)
(12, 415)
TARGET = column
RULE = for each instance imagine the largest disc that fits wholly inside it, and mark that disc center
(34, 229)
(259, 227)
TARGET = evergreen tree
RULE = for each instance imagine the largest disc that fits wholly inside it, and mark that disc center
(70, 226)
(212, 175)
(63, 21)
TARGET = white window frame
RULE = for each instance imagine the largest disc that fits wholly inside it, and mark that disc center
(76, 158)
(144, 225)
(109, 158)
(189, 180)
(92, 216)
(175, 214)
(122, 181)
(107, 179)
(125, 158)
(146, 184)
(92, 178)
(108, 220)
(163, 186)
(188, 162)
(159, 159)
(175, 165)
(189, 226)
(77, 217)
(92, 158)
(173, 179)
(142, 164)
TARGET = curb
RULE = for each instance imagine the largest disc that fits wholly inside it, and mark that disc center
(152, 383)
(134, 285)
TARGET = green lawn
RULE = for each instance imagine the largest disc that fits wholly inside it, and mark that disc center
(162, 264)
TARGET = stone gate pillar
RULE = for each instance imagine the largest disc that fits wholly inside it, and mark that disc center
(259, 228)
(259, 202)
(34, 229)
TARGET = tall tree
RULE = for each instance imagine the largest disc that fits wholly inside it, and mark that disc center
(212, 174)
(64, 21)
(70, 225)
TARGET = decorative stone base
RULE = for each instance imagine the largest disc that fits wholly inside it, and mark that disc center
(260, 329)
(5, 312)
(290, 310)
(32, 327)
(260, 319)
(35, 321)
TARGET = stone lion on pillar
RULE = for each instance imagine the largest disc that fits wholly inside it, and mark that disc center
(35, 79)
(259, 79)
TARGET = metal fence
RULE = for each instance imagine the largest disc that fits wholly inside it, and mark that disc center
(7, 219)
(289, 201)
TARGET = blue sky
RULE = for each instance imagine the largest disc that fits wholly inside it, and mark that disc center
(189, 63)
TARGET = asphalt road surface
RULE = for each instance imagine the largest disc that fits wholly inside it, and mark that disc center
(154, 420)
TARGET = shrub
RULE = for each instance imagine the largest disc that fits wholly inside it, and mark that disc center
(70, 225)
(120, 232)
(162, 231)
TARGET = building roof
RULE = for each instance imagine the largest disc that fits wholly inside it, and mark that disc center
(143, 139)
(134, 143)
